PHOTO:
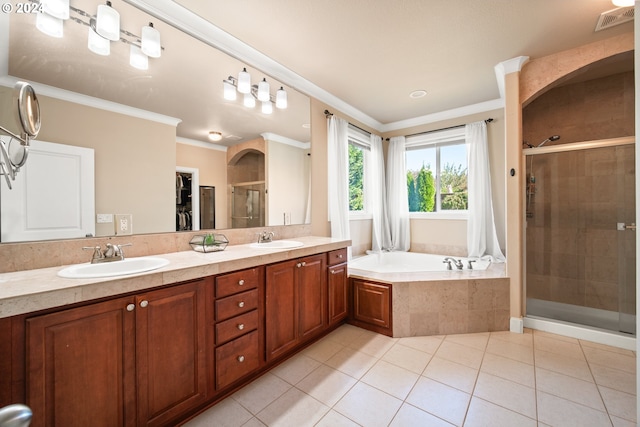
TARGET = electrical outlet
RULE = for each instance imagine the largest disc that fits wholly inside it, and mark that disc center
(104, 218)
(123, 224)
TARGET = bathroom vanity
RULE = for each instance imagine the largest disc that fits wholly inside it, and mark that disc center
(155, 348)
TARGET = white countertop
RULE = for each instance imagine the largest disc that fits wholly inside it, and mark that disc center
(33, 290)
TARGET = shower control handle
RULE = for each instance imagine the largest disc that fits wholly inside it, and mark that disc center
(621, 226)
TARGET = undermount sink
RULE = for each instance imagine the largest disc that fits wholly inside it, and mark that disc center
(277, 244)
(113, 268)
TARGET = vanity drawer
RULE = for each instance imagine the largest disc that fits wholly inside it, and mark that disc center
(234, 305)
(337, 257)
(239, 325)
(236, 359)
(232, 283)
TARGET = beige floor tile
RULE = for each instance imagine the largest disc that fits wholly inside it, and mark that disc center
(563, 364)
(407, 358)
(460, 354)
(452, 374)
(477, 341)
(607, 348)
(622, 405)
(509, 369)
(227, 413)
(411, 416)
(335, 419)
(555, 336)
(391, 379)
(511, 350)
(426, 344)
(612, 359)
(482, 414)
(525, 338)
(570, 388)
(323, 349)
(374, 345)
(346, 334)
(294, 408)
(614, 378)
(368, 406)
(555, 345)
(621, 422)
(253, 422)
(513, 396)
(556, 411)
(440, 400)
(352, 362)
(296, 368)
(326, 385)
(261, 392)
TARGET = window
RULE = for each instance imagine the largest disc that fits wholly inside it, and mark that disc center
(359, 146)
(436, 165)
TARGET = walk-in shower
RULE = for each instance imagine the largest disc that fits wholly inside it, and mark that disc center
(580, 233)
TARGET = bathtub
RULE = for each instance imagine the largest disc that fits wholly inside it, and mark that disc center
(428, 299)
(411, 262)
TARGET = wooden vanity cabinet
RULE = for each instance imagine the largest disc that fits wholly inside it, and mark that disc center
(337, 286)
(372, 306)
(295, 303)
(137, 360)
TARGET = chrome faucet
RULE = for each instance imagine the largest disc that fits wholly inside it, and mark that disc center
(110, 253)
(265, 236)
(456, 262)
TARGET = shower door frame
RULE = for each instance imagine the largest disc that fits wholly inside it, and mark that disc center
(576, 146)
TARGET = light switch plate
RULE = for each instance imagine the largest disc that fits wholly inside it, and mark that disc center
(123, 224)
(104, 218)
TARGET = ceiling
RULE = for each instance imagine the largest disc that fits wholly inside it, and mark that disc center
(362, 57)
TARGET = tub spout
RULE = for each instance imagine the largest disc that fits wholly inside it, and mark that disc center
(456, 262)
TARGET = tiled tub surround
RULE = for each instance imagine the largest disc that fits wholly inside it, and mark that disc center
(446, 302)
(33, 290)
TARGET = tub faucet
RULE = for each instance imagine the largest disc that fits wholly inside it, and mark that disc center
(456, 262)
(265, 236)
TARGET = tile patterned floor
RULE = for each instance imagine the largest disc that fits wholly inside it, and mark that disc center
(354, 377)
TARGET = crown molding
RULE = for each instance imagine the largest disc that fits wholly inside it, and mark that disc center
(268, 136)
(201, 144)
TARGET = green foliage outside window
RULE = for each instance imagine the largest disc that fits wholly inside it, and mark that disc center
(453, 187)
(356, 172)
(421, 189)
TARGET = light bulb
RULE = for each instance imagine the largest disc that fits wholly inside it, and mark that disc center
(263, 90)
(108, 22)
(215, 136)
(151, 41)
(56, 8)
(98, 44)
(49, 25)
(249, 101)
(137, 59)
(281, 98)
(267, 107)
(230, 93)
(244, 81)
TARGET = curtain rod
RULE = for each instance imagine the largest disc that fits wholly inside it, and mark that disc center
(328, 114)
(489, 120)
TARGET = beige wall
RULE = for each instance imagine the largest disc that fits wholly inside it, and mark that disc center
(134, 161)
(212, 169)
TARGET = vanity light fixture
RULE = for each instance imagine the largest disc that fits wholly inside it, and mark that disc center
(103, 29)
(260, 92)
(215, 136)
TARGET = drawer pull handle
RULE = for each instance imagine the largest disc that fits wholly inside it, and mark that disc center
(241, 282)
(144, 303)
(240, 359)
(131, 307)
(241, 304)
(241, 326)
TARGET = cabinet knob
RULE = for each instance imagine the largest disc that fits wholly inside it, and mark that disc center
(333, 272)
(340, 256)
(299, 265)
(144, 303)
(131, 307)
(241, 326)
(241, 304)
(240, 359)
(304, 263)
(241, 282)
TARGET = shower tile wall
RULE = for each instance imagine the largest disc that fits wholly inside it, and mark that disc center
(572, 240)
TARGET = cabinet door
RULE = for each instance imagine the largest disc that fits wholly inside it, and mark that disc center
(80, 366)
(311, 275)
(372, 306)
(281, 308)
(338, 297)
(171, 362)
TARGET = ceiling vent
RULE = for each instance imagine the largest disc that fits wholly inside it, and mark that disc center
(615, 17)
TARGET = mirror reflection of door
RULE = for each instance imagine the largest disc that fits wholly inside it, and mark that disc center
(187, 199)
(207, 207)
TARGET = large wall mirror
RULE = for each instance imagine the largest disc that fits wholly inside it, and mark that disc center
(144, 126)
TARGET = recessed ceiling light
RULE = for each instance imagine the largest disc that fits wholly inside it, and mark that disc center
(417, 93)
(215, 136)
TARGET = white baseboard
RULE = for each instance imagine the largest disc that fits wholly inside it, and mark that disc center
(516, 324)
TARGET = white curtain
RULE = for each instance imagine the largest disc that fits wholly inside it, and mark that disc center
(375, 195)
(338, 176)
(397, 199)
(481, 230)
